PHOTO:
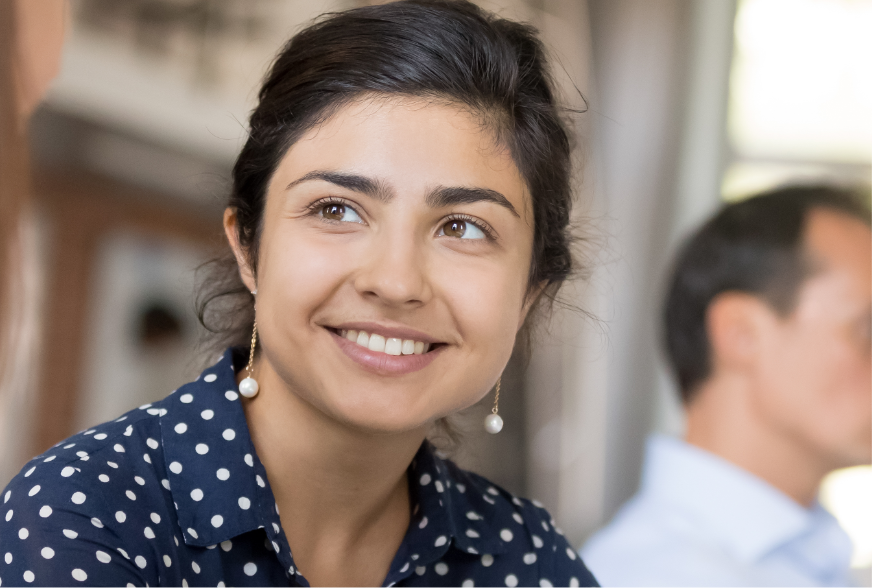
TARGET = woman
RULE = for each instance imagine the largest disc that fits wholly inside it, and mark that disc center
(400, 206)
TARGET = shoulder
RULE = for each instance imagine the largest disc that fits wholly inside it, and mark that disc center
(74, 506)
(649, 543)
(526, 535)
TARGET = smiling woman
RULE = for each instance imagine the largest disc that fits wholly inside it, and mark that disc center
(401, 205)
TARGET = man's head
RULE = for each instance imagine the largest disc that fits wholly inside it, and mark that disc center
(775, 293)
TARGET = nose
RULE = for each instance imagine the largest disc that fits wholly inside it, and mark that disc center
(394, 271)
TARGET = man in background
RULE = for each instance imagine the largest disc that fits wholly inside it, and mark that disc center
(767, 328)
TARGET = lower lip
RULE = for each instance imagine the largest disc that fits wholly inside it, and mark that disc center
(382, 363)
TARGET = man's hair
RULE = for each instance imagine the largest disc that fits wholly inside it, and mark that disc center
(753, 246)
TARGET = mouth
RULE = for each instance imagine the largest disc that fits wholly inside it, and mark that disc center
(386, 351)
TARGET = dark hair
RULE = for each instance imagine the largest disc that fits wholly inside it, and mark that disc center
(443, 50)
(752, 246)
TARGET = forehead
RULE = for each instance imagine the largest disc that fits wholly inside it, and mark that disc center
(842, 246)
(411, 144)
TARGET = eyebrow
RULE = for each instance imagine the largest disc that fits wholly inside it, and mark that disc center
(353, 182)
(438, 197)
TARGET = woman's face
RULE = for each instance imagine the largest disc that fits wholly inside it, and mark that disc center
(403, 220)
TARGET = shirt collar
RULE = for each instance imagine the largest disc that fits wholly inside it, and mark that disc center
(205, 437)
(749, 515)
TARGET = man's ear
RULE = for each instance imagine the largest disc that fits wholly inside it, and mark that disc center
(736, 325)
(230, 230)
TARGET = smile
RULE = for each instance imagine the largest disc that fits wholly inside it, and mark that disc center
(386, 353)
(382, 344)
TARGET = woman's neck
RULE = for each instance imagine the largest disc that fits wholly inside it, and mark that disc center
(342, 493)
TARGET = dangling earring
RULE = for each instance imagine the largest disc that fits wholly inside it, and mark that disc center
(248, 386)
(493, 423)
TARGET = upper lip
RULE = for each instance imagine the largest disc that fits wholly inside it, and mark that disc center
(388, 331)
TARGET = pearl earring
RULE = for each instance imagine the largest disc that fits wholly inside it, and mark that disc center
(248, 386)
(493, 423)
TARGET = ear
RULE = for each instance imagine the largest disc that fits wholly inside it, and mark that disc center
(738, 326)
(530, 302)
(230, 229)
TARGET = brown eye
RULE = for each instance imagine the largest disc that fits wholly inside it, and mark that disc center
(454, 228)
(333, 211)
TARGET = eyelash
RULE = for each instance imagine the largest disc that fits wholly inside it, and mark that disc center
(319, 205)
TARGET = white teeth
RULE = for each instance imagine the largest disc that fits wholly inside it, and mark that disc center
(376, 343)
(363, 339)
(394, 346)
(389, 345)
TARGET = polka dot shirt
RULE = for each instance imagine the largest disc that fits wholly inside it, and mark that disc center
(173, 494)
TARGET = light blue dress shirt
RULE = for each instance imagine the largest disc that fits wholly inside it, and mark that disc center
(699, 520)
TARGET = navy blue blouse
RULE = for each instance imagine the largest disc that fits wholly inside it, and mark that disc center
(174, 494)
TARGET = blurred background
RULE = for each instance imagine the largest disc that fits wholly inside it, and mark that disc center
(691, 102)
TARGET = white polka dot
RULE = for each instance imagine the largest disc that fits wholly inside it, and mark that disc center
(529, 558)
(487, 560)
(186, 398)
(229, 434)
(184, 583)
(45, 511)
(35, 490)
(202, 448)
(152, 443)
(8, 515)
(120, 516)
(244, 503)
(217, 521)
(223, 474)
(275, 547)
(167, 561)
(260, 481)
(511, 580)
(149, 534)
(250, 569)
(180, 428)
(129, 430)
(118, 447)
(103, 557)
(474, 516)
(30, 471)
(441, 540)
(68, 471)
(192, 532)
(140, 561)
(49, 458)
(195, 567)
(492, 490)
(506, 535)
(155, 518)
(472, 533)
(176, 467)
(231, 395)
(545, 525)
(423, 523)
(47, 552)
(537, 542)
(517, 518)
(207, 414)
(97, 522)
(100, 436)
(248, 460)
(130, 494)
(112, 464)
(28, 576)
(6, 496)
(69, 534)
(82, 455)
(139, 480)
(23, 533)
(570, 553)
(573, 582)
(425, 479)
(197, 494)
(124, 553)
(226, 545)
(420, 570)
(210, 378)
(165, 483)
(441, 568)
(439, 486)
(8, 558)
(468, 584)
(545, 583)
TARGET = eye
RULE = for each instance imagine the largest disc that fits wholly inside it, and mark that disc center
(336, 211)
(461, 229)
